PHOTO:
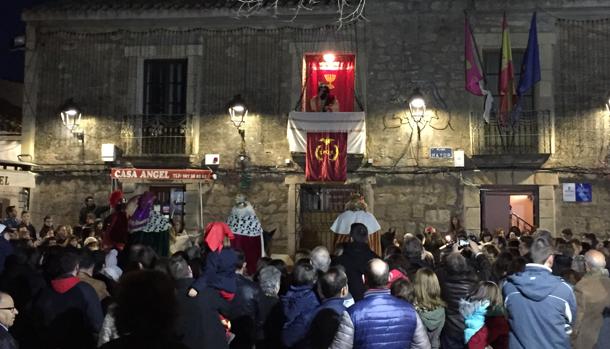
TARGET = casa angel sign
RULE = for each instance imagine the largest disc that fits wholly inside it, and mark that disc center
(160, 174)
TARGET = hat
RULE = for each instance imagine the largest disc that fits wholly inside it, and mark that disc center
(115, 198)
(90, 240)
(396, 274)
(111, 269)
(215, 233)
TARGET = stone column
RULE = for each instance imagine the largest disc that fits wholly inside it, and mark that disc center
(546, 208)
(472, 208)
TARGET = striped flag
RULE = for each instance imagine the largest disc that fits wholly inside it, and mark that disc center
(506, 83)
(473, 71)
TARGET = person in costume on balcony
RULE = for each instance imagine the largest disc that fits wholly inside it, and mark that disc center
(324, 101)
(148, 227)
(356, 212)
(248, 232)
(115, 233)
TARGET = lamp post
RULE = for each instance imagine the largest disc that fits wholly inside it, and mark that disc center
(238, 111)
(71, 115)
(417, 108)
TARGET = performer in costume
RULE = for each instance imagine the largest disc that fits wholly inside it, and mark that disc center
(355, 212)
(115, 232)
(248, 232)
(324, 101)
(148, 227)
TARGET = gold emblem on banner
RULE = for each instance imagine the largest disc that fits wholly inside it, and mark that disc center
(330, 78)
(332, 151)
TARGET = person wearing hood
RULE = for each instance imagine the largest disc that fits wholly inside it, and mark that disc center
(69, 313)
(484, 318)
(429, 305)
(541, 306)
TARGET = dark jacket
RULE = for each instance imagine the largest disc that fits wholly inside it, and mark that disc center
(454, 287)
(354, 259)
(68, 315)
(219, 272)
(382, 321)
(414, 265)
(301, 325)
(133, 342)
(6, 340)
(298, 301)
(6, 249)
(541, 308)
(244, 312)
(97, 211)
(592, 297)
(198, 324)
(269, 327)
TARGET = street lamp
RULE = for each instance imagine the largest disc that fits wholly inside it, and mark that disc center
(417, 106)
(608, 103)
(238, 110)
(70, 116)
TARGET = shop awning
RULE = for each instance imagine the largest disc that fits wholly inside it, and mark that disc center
(172, 175)
(20, 179)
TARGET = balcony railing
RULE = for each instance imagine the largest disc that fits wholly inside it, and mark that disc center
(530, 134)
(151, 135)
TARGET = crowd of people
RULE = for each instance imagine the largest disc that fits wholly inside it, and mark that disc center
(62, 287)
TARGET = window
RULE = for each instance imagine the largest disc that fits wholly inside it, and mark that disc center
(165, 87)
(492, 60)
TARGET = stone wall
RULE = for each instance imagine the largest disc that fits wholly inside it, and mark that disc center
(409, 203)
(585, 217)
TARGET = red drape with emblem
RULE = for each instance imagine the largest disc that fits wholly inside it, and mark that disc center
(338, 75)
(326, 159)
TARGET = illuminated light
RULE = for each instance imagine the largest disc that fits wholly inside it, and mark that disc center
(329, 57)
(417, 106)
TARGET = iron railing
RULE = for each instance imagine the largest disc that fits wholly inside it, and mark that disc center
(517, 221)
(529, 133)
(150, 135)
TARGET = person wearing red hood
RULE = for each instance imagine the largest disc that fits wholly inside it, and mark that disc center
(69, 313)
(115, 225)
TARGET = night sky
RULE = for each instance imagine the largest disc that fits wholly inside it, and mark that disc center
(11, 63)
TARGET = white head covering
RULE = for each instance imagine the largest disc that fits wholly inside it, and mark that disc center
(111, 269)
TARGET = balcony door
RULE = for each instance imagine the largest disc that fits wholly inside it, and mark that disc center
(164, 123)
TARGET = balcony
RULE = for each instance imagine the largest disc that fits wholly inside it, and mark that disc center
(526, 141)
(156, 135)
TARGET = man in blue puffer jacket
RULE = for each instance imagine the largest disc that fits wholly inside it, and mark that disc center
(383, 321)
(541, 306)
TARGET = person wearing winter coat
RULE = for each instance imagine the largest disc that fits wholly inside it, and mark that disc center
(483, 312)
(540, 305)
(354, 259)
(69, 313)
(244, 307)
(383, 321)
(456, 278)
(429, 305)
(198, 324)
(592, 296)
(300, 300)
(604, 333)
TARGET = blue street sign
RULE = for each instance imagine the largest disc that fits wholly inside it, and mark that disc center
(441, 153)
(584, 193)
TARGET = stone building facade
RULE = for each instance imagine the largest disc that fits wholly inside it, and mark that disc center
(97, 55)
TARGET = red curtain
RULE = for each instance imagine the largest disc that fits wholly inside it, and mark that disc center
(326, 158)
(338, 75)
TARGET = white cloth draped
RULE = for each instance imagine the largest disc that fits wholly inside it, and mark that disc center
(345, 220)
(354, 123)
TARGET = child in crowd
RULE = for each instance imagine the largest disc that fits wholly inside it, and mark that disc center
(485, 319)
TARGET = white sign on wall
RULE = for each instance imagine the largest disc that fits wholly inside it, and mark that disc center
(569, 192)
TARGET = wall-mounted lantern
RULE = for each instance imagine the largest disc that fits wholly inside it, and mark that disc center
(417, 106)
(71, 116)
(238, 111)
(608, 103)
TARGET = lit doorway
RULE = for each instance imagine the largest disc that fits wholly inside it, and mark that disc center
(504, 207)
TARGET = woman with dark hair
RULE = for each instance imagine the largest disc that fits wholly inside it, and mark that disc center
(500, 267)
(455, 226)
(486, 237)
(146, 312)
